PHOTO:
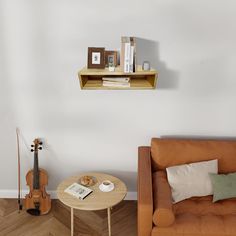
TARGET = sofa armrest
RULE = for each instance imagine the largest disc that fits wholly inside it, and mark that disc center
(145, 199)
(163, 215)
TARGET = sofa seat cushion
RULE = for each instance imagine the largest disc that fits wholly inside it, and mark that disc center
(188, 224)
(204, 205)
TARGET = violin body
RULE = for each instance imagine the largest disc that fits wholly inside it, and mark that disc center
(37, 201)
(38, 198)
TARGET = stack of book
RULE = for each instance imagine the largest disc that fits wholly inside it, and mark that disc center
(118, 82)
(128, 54)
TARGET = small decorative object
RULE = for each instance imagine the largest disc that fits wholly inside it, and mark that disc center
(106, 186)
(96, 58)
(87, 180)
(146, 65)
(111, 68)
(111, 58)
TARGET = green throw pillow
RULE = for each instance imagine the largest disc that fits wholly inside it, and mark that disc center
(224, 186)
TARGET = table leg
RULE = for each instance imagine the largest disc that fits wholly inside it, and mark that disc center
(109, 220)
(72, 222)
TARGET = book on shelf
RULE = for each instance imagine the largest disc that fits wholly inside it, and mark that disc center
(78, 191)
(128, 54)
(116, 79)
(127, 57)
(116, 84)
(134, 53)
(124, 40)
(131, 60)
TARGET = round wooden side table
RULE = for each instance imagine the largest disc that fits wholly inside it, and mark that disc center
(97, 200)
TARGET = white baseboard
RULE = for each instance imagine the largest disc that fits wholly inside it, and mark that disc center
(131, 196)
(9, 193)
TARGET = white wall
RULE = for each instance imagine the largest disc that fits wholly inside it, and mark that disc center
(44, 43)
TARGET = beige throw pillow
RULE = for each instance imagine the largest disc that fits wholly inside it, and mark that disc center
(191, 180)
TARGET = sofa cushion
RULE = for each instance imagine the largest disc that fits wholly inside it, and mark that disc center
(188, 224)
(204, 205)
(163, 215)
(224, 186)
(191, 180)
(172, 152)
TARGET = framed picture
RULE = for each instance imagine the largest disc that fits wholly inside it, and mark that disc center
(96, 58)
(111, 58)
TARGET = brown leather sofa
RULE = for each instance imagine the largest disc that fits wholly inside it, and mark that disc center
(197, 216)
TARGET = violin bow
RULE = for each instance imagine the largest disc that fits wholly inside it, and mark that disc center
(19, 175)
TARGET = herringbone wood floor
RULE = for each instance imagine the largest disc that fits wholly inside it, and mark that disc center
(57, 222)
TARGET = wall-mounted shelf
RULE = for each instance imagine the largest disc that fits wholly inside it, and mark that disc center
(92, 78)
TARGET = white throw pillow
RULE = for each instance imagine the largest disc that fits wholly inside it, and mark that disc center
(191, 180)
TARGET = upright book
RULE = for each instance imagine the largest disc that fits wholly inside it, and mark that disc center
(128, 54)
(124, 42)
(127, 57)
(133, 60)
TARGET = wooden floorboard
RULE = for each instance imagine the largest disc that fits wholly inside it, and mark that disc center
(57, 222)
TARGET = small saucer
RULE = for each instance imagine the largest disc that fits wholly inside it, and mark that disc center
(106, 189)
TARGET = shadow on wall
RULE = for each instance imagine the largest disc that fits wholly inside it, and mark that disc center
(148, 50)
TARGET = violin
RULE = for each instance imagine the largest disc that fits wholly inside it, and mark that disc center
(37, 202)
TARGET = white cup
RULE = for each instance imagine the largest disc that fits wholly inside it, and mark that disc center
(106, 186)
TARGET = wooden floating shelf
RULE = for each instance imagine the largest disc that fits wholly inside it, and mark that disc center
(92, 79)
